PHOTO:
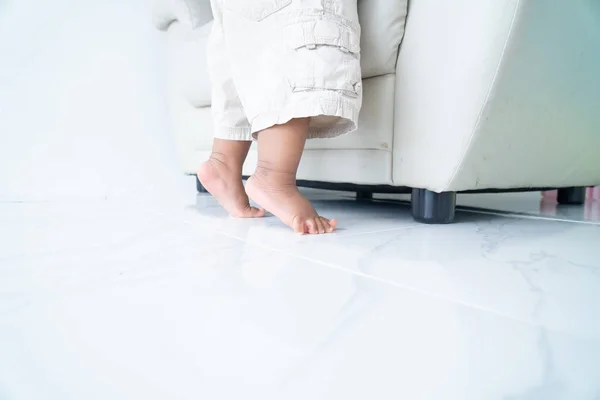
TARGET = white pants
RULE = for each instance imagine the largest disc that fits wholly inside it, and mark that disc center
(272, 61)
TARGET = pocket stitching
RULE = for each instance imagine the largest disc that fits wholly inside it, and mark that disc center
(302, 36)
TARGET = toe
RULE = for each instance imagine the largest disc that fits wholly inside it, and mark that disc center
(320, 226)
(333, 224)
(299, 226)
(256, 212)
(312, 226)
(326, 224)
(249, 212)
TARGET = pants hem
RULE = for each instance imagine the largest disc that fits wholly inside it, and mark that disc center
(314, 104)
(236, 133)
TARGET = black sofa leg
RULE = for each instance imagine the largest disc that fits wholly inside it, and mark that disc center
(433, 208)
(199, 187)
(572, 195)
(364, 195)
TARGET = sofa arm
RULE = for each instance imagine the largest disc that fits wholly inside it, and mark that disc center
(498, 94)
(192, 13)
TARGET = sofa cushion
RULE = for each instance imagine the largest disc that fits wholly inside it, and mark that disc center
(192, 13)
(382, 23)
(187, 63)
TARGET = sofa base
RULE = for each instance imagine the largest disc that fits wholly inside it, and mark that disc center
(433, 208)
(572, 195)
(427, 206)
(199, 187)
(364, 195)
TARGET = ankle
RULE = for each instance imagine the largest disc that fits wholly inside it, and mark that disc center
(222, 161)
(274, 176)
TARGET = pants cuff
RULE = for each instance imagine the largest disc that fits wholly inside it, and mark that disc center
(314, 104)
(242, 134)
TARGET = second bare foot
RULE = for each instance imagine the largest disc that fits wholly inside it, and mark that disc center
(225, 184)
(279, 195)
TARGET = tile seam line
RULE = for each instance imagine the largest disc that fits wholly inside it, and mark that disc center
(388, 282)
(532, 217)
(411, 289)
(379, 231)
(397, 285)
(507, 214)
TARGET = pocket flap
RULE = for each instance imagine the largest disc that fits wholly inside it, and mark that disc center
(320, 32)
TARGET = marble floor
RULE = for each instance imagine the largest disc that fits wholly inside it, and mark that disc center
(122, 299)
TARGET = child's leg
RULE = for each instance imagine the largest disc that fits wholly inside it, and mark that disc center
(273, 184)
(296, 61)
(221, 175)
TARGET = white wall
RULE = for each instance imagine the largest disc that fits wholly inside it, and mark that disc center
(82, 109)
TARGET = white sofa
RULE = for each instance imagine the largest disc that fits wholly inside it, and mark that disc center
(459, 95)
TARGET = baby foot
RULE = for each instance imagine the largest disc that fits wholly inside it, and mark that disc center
(225, 184)
(282, 198)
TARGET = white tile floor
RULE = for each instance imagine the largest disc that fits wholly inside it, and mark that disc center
(117, 284)
(144, 300)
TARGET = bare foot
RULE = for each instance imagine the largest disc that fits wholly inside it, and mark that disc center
(279, 195)
(225, 184)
